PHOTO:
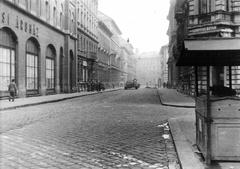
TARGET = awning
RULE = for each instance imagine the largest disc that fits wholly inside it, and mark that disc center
(211, 52)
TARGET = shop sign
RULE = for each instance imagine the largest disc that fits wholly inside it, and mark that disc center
(205, 29)
(84, 63)
(20, 24)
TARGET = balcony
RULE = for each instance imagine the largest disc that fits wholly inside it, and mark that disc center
(222, 17)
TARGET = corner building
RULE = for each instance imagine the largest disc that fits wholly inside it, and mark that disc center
(217, 21)
(38, 46)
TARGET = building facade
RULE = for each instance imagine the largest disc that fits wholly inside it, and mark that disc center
(122, 65)
(50, 47)
(164, 66)
(87, 37)
(149, 68)
(104, 52)
(37, 46)
(199, 20)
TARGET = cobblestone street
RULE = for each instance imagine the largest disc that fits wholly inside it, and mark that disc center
(120, 129)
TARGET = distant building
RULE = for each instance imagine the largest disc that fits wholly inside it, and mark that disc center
(149, 68)
(164, 66)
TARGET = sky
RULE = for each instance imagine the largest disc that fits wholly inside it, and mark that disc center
(144, 22)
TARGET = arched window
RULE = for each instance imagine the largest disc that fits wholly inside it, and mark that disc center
(8, 42)
(72, 21)
(32, 51)
(61, 17)
(47, 11)
(50, 67)
(54, 16)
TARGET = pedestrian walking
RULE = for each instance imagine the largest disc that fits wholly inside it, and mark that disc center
(12, 88)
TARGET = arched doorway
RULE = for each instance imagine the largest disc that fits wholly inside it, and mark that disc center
(8, 43)
(50, 69)
(32, 66)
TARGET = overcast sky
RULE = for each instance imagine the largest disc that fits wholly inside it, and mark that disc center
(144, 22)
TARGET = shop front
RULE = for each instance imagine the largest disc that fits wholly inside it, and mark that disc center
(31, 52)
(217, 96)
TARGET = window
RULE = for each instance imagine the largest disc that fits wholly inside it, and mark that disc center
(226, 5)
(7, 57)
(7, 67)
(32, 50)
(32, 72)
(50, 67)
(47, 11)
(54, 16)
(49, 73)
(204, 6)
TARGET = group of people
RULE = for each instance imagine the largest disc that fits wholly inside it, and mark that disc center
(96, 86)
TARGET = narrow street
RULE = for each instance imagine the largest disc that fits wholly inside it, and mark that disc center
(118, 129)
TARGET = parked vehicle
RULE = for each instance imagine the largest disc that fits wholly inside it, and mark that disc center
(131, 84)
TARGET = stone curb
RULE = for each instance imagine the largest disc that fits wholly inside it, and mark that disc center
(173, 105)
(188, 159)
(54, 100)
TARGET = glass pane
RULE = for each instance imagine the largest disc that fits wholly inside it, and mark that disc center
(28, 83)
(4, 55)
(32, 72)
(1, 54)
(47, 74)
(52, 75)
(52, 83)
(36, 61)
(1, 83)
(1, 69)
(8, 56)
(36, 73)
(28, 59)
(48, 83)
(13, 70)
(8, 70)
(12, 56)
(52, 64)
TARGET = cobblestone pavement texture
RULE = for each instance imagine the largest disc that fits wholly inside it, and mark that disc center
(108, 130)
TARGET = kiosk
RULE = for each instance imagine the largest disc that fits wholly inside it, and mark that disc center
(218, 109)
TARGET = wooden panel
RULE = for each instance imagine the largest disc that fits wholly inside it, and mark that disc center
(228, 108)
(226, 140)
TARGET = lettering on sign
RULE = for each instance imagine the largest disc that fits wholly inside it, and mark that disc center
(20, 24)
(25, 26)
(205, 29)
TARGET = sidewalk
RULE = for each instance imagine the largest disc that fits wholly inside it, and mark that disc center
(184, 139)
(30, 101)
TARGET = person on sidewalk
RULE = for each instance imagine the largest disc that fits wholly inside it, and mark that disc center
(12, 88)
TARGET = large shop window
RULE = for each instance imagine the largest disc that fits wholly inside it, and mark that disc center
(32, 72)
(32, 65)
(7, 57)
(50, 67)
(7, 67)
(50, 73)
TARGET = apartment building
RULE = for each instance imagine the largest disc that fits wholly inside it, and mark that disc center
(202, 22)
(149, 68)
